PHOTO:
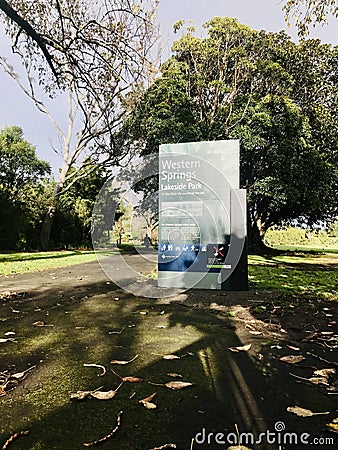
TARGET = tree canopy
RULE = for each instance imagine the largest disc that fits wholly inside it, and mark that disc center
(309, 12)
(277, 97)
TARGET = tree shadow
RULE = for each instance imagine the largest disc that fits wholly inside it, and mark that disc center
(228, 388)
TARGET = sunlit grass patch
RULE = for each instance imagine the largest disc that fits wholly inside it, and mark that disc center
(31, 262)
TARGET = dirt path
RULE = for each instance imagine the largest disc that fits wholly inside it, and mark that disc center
(85, 319)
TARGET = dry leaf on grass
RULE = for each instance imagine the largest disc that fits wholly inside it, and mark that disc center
(178, 385)
(162, 447)
(238, 447)
(99, 366)
(302, 412)
(319, 380)
(174, 385)
(128, 379)
(171, 357)
(291, 347)
(3, 340)
(39, 323)
(99, 395)
(324, 372)
(108, 436)
(292, 359)
(103, 395)
(243, 348)
(12, 438)
(255, 332)
(20, 375)
(132, 379)
(122, 363)
(146, 402)
(333, 426)
(174, 375)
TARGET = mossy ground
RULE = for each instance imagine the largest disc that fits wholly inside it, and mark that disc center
(250, 389)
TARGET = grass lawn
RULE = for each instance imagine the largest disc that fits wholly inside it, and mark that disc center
(301, 273)
(298, 273)
(31, 262)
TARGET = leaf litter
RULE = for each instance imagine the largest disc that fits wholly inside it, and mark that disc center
(99, 366)
(128, 379)
(174, 385)
(99, 395)
(302, 412)
(121, 362)
(333, 426)
(243, 348)
(13, 437)
(107, 436)
(292, 359)
(147, 402)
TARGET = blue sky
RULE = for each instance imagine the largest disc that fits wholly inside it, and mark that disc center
(16, 109)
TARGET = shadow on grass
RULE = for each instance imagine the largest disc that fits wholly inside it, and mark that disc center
(229, 388)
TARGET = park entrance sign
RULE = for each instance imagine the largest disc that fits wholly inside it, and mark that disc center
(202, 217)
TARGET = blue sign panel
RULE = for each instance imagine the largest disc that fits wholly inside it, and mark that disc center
(202, 215)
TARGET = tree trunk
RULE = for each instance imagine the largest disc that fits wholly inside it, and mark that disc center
(49, 219)
(256, 238)
(47, 227)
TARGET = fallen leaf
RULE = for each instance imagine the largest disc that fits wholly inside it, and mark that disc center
(100, 395)
(255, 333)
(20, 375)
(99, 366)
(333, 426)
(292, 359)
(80, 395)
(171, 357)
(291, 347)
(146, 402)
(39, 323)
(178, 385)
(117, 361)
(174, 375)
(243, 348)
(302, 412)
(162, 447)
(324, 372)
(319, 380)
(103, 395)
(132, 379)
(9, 333)
(107, 436)
(3, 340)
(238, 447)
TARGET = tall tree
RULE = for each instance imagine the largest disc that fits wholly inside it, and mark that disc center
(21, 189)
(98, 52)
(309, 12)
(241, 84)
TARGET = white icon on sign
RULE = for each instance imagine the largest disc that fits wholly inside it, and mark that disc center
(163, 248)
(192, 248)
(178, 249)
(170, 247)
(204, 248)
(185, 248)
